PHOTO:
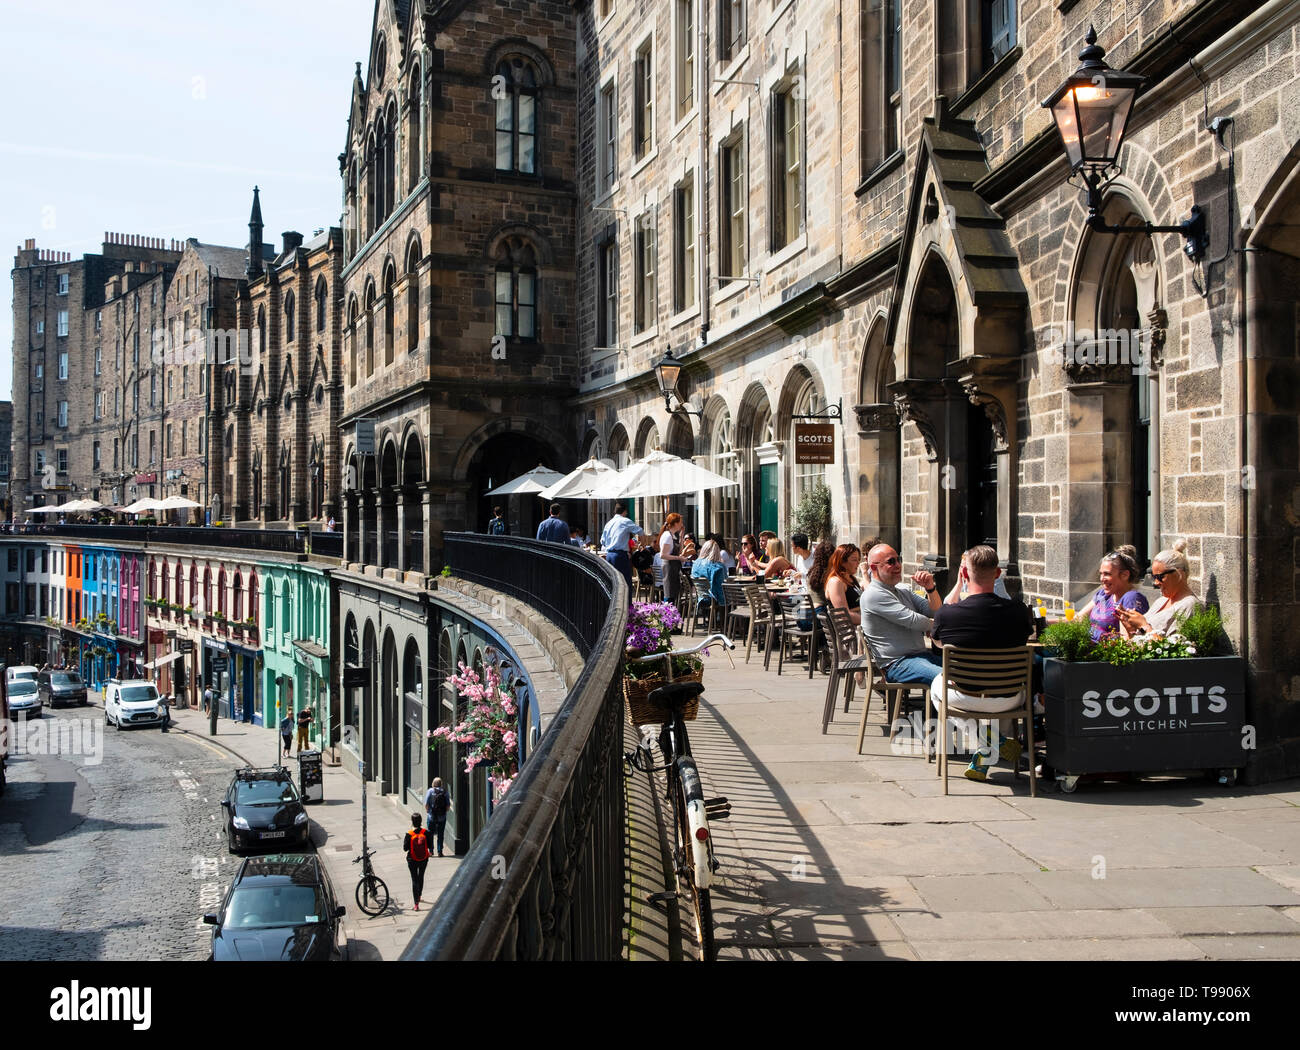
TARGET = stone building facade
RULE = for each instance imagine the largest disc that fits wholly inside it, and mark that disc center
(873, 210)
(276, 410)
(459, 301)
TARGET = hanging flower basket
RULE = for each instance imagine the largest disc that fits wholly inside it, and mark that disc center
(649, 630)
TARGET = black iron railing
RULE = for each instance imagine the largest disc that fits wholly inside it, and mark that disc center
(560, 826)
(280, 541)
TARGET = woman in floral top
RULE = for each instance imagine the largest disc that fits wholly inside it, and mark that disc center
(1119, 575)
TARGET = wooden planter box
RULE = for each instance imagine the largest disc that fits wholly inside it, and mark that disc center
(1149, 717)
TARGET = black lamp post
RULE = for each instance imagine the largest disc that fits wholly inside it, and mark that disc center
(1091, 110)
(667, 371)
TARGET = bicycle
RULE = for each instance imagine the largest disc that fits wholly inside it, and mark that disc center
(372, 892)
(693, 859)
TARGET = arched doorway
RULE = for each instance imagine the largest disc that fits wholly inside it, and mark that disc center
(413, 486)
(414, 769)
(387, 497)
(681, 443)
(369, 728)
(495, 462)
(760, 462)
(390, 716)
(879, 463)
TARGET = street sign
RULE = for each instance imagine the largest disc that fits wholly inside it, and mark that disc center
(218, 664)
(185, 645)
(365, 437)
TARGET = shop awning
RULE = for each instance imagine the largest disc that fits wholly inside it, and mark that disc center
(164, 660)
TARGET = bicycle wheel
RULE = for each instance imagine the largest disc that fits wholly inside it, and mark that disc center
(701, 905)
(372, 894)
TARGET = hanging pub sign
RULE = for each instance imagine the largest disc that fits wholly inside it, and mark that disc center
(814, 442)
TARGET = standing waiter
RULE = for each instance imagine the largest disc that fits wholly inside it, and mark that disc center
(617, 537)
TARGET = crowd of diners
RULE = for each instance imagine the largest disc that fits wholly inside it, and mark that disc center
(904, 618)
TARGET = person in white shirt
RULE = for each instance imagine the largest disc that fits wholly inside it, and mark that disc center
(800, 555)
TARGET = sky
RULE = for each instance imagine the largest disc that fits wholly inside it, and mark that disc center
(157, 118)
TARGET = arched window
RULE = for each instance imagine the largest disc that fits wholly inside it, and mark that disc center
(221, 591)
(516, 123)
(288, 318)
(413, 298)
(317, 468)
(237, 605)
(370, 330)
(371, 177)
(414, 132)
(230, 440)
(207, 591)
(164, 595)
(257, 483)
(261, 331)
(252, 597)
(390, 159)
(284, 481)
(806, 475)
(322, 295)
(390, 280)
(726, 501)
(194, 585)
(516, 289)
(352, 341)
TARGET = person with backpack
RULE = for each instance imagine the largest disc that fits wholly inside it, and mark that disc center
(497, 523)
(437, 803)
(416, 847)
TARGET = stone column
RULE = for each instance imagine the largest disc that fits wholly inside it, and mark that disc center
(401, 532)
(381, 523)
(879, 500)
(426, 508)
(359, 510)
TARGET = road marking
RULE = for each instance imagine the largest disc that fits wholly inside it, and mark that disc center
(195, 740)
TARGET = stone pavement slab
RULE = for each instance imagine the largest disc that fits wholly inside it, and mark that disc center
(834, 855)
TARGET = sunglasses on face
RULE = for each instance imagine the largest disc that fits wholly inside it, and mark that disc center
(1159, 576)
(890, 561)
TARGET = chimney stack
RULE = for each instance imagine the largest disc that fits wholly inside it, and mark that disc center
(292, 240)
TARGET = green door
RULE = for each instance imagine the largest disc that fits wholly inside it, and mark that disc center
(767, 497)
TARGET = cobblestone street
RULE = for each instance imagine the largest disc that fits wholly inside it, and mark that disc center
(114, 859)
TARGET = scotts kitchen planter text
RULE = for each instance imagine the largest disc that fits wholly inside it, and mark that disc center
(1147, 717)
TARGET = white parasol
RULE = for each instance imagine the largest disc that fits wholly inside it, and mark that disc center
(661, 474)
(582, 482)
(534, 481)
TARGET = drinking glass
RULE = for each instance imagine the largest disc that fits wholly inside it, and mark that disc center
(1069, 610)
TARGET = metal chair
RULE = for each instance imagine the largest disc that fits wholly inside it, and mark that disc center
(840, 634)
(760, 615)
(790, 609)
(657, 588)
(704, 605)
(737, 611)
(987, 673)
(877, 683)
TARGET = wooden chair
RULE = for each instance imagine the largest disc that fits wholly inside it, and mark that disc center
(892, 694)
(987, 673)
(709, 609)
(760, 615)
(790, 609)
(840, 633)
(738, 614)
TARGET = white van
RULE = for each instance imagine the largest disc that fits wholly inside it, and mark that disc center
(132, 703)
(26, 671)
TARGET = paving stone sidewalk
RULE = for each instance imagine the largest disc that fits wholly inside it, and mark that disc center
(336, 831)
(832, 855)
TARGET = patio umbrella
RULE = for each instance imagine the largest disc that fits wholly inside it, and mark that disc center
(83, 506)
(46, 510)
(534, 481)
(582, 482)
(661, 474)
(141, 506)
(177, 503)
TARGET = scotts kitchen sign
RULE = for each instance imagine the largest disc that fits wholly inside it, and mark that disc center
(1146, 717)
(814, 442)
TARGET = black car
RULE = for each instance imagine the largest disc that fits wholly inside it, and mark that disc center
(263, 808)
(60, 687)
(280, 908)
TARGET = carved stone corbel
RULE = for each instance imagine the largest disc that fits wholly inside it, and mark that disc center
(875, 418)
(993, 409)
(909, 409)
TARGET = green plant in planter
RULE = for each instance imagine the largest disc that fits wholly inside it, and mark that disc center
(189, 610)
(813, 514)
(446, 572)
(248, 621)
(1071, 641)
(1203, 630)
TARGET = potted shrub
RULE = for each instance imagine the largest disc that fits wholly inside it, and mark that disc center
(813, 514)
(1146, 705)
(649, 630)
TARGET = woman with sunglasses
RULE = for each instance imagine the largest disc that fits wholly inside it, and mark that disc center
(1177, 601)
(841, 583)
(749, 563)
(1119, 575)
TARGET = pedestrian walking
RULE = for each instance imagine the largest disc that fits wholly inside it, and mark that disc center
(416, 847)
(286, 734)
(554, 528)
(304, 725)
(207, 698)
(437, 803)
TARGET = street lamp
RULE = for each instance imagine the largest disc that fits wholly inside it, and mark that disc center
(1091, 110)
(667, 371)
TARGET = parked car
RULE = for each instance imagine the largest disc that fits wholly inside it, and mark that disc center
(4, 729)
(24, 698)
(263, 808)
(21, 671)
(280, 908)
(61, 687)
(132, 704)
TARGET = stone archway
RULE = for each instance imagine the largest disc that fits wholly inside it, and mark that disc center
(879, 464)
(390, 718)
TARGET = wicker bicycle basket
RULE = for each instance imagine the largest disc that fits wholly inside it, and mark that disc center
(636, 691)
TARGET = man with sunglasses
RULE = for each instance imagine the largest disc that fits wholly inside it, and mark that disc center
(896, 621)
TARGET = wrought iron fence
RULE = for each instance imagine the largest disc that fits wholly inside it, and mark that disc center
(280, 541)
(544, 881)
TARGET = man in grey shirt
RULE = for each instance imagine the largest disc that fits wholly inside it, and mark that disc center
(896, 621)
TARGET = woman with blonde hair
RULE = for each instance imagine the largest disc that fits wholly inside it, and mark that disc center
(708, 565)
(777, 562)
(1119, 575)
(1170, 570)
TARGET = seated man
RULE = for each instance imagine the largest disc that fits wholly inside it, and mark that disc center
(895, 621)
(982, 620)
